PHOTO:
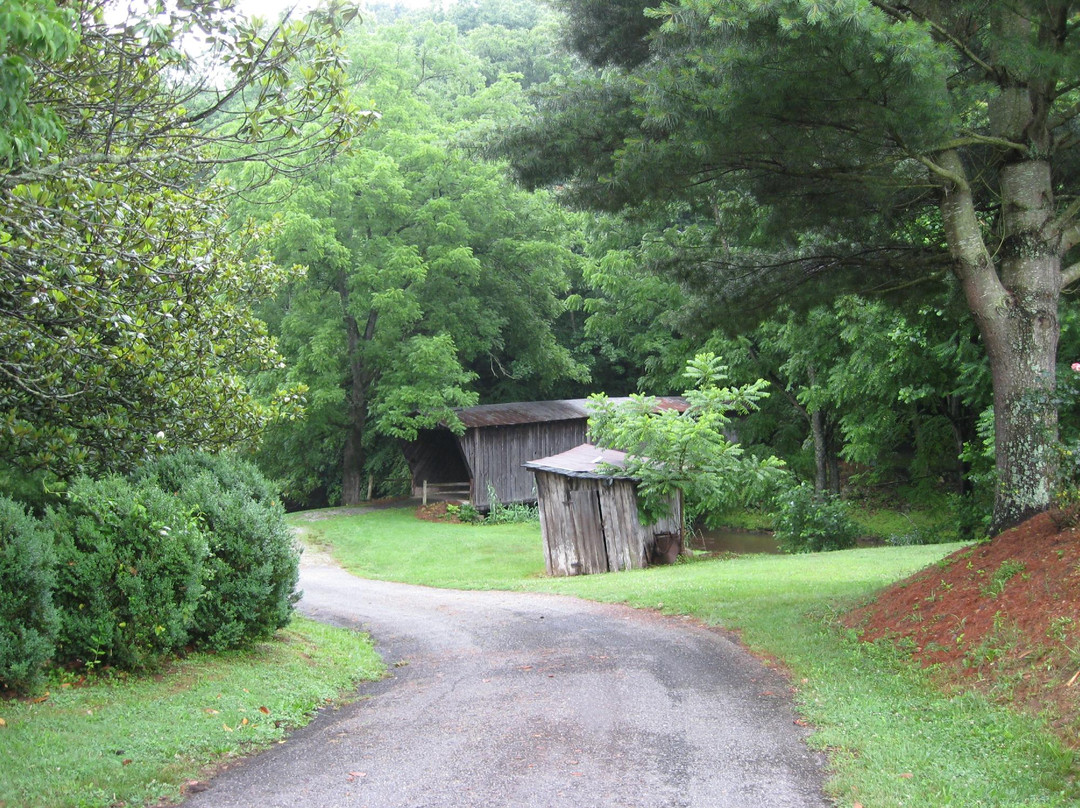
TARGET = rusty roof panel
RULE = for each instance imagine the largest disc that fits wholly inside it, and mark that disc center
(531, 412)
(581, 461)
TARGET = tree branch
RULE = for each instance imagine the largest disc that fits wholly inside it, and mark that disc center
(958, 182)
(1065, 228)
(906, 13)
(1070, 275)
(975, 139)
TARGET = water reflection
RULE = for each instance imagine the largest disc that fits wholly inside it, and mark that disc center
(733, 541)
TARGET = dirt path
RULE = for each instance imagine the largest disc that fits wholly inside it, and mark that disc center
(509, 699)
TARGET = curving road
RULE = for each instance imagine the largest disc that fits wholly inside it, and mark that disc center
(506, 699)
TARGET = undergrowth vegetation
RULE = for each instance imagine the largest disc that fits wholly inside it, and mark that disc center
(191, 552)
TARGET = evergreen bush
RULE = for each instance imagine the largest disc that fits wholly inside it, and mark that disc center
(28, 621)
(809, 523)
(129, 573)
(251, 574)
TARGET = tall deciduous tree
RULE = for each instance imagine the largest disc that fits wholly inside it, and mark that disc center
(125, 291)
(892, 138)
(430, 276)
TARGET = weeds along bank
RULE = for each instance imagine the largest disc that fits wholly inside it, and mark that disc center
(190, 552)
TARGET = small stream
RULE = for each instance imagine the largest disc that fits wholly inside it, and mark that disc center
(733, 541)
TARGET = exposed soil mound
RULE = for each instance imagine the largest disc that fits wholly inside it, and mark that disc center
(1003, 617)
(436, 512)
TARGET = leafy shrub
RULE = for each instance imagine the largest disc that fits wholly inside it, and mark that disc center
(1065, 508)
(129, 573)
(173, 472)
(251, 574)
(464, 513)
(28, 621)
(35, 491)
(512, 514)
(808, 523)
(501, 514)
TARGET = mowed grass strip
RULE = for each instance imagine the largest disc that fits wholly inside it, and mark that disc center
(892, 736)
(134, 741)
(393, 545)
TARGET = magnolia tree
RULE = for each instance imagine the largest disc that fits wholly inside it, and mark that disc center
(125, 290)
(690, 451)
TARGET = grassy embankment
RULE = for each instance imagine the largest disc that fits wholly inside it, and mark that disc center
(893, 737)
(137, 740)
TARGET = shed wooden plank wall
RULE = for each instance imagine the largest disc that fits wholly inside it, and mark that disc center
(496, 455)
(625, 538)
(591, 525)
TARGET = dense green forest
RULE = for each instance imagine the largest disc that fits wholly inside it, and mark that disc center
(307, 238)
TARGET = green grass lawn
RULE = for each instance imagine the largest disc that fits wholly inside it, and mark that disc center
(138, 740)
(893, 737)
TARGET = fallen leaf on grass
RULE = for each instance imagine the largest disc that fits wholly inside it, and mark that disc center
(907, 775)
(264, 710)
(3, 723)
(125, 762)
(211, 711)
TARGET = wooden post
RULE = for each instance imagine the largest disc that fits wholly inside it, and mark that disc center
(370, 486)
(425, 492)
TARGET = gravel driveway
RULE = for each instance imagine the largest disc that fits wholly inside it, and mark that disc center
(508, 699)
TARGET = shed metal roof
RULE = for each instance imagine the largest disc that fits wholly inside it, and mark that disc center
(581, 461)
(531, 412)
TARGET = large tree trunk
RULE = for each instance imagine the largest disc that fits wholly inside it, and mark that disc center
(352, 471)
(1015, 303)
(352, 459)
(826, 454)
(821, 449)
(832, 460)
(353, 485)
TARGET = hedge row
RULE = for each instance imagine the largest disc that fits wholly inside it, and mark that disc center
(192, 551)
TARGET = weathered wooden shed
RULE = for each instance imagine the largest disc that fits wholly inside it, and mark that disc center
(499, 439)
(589, 520)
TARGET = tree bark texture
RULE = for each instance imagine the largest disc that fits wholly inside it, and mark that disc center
(1014, 296)
(353, 479)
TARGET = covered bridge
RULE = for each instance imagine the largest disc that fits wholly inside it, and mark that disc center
(499, 439)
(589, 516)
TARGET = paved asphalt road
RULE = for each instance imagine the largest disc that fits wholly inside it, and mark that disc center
(505, 699)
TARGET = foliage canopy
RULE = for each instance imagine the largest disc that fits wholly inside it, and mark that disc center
(125, 291)
(670, 452)
(883, 145)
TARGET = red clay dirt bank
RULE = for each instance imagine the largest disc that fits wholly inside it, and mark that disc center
(1002, 617)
